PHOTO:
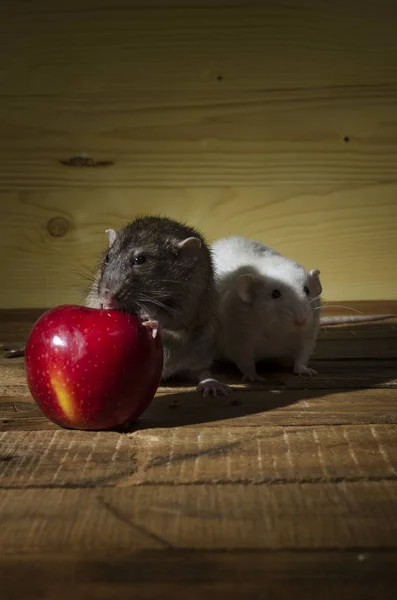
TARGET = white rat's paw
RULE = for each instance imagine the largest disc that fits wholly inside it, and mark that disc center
(253, 378)
(212, 387)
(154, 326)
(301, 370)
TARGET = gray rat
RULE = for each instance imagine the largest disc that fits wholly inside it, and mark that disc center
(161, 270)
(269, 307)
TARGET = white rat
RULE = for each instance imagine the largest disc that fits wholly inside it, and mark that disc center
(269, 307)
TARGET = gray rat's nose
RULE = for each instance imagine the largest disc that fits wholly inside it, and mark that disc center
(111, 303)
(107, 299)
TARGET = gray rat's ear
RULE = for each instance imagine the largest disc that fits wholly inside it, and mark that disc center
(246, 287)
(190, 246)
(315, 273)
(111, 233)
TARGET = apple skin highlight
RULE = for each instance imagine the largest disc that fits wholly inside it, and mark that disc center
(92, 369)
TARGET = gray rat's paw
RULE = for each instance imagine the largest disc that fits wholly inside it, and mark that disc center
(153, 325)
(212, 387)
(301, 370)
(253, 378)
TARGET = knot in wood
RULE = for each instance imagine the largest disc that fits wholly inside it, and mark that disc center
(58, 226)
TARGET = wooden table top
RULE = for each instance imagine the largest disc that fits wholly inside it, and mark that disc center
(288, 488)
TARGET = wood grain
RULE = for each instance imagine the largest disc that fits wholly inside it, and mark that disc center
(269, 120)
(16, 324)
(245, 408)
(290, 516)
(167, 49)
(154, 575)
(188, 456)
(288, 489)
(348, 230)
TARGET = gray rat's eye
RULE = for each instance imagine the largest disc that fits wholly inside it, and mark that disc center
(107, 258)
(139, 260)
(306, 290)
(276, 294)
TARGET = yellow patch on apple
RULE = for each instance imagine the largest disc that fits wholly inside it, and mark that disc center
(65, 397)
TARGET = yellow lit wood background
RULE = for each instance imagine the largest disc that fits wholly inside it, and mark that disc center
(270, 119)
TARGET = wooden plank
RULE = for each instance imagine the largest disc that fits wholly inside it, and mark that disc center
(16, 324)
(211, 137)
(244, 408)
(93, 49)
(282, 454)
(290, 407)
(184, 574)
(198, 456)
(356, 348)
(333, 374)
(250, 119)
(189, 120)
(289, 516)
(43, 270)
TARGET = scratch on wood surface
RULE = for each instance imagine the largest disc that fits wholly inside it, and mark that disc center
(23, 458)
(172, 451)
(382, 450)
(259, 456)
(9, 453)
(274, 463)
(196, 462)
(116, 448)
(228, 460)
(46, 452)
(173, 457)
(345, 434)
(63, 460)
(289, 453)
(90, 455)
(127, 520)
(320, 454)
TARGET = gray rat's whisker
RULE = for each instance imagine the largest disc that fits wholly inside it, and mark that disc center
(159, 304)
(167, 281)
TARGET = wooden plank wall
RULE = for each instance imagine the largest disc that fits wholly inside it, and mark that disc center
(271, 119)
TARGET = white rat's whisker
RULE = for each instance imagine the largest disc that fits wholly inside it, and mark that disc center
(345, 307)
(316, 298)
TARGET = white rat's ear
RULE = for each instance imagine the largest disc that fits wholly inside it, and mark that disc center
(315, 273)
(246, 285)
(190, 246)
(111, 233)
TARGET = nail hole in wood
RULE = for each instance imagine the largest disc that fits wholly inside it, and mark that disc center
(346, 139)
(58, 226)
(220, 78)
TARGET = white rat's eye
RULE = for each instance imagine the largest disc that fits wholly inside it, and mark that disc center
(306, 290)
(276, 294)
(139, 260)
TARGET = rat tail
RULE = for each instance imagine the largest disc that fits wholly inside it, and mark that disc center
(324, 321)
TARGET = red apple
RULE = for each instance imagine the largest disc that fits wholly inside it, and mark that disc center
(92, 369)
